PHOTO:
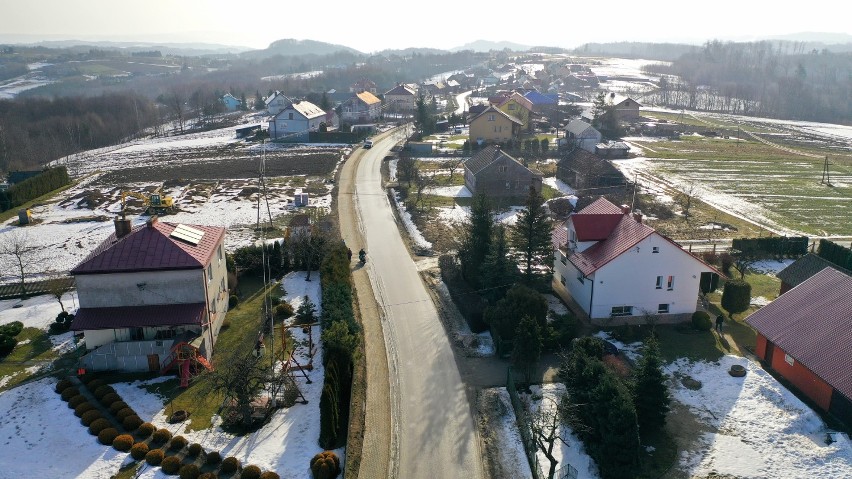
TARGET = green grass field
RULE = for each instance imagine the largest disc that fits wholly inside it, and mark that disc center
(34, 348)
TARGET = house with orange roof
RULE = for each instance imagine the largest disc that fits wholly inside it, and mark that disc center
(152, 296)
(614, 266)
(363, 107)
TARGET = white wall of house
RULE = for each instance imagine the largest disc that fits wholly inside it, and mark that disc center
(569, 277)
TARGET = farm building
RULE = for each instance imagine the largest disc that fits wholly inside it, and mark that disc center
(611, 264)
(147, 292)
(804, 336)
(803, 268)
(495, 173)
(615, 149)
(626, 108)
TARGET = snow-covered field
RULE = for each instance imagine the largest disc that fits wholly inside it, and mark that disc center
(759, 428)
(40, 429)
(73, 223)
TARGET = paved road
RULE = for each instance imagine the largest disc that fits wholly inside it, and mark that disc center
(461, 100)
(434, 434)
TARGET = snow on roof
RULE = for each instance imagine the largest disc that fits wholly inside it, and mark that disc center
(368, 98)
(308, 109)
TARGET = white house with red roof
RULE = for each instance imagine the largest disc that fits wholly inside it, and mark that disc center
(613, 265)
(152, 297)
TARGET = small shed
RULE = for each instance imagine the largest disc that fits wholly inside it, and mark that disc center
(420, 148)
(247, 130)
(300, 198)
(24, 217)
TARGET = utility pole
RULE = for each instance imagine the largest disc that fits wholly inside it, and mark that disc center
(826, 174)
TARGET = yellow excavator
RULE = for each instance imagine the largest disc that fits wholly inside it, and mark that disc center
(155, 203)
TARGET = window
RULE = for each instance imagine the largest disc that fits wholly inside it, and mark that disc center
(512, 106)
(165, 334)
(289, 116)
(508, 185)
(563, 259)
(622, 311)
(502, 168)
(491, 117)
(572, 235)
(659, 282)
(655, 249)
(495, 128)
(670, 283)
(209, 273)
(789, 359)
(221, 255)
(580, 279)
(663, 308)
(562, 279)
(137, 334)
(222, 285)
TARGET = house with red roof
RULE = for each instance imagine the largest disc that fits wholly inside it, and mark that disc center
(804, 336)
(612, 265)
(152, 297)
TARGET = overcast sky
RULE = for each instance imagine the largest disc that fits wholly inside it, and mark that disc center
(379, 24)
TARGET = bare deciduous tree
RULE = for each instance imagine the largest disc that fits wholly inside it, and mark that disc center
(544, 424)
(21, 254)
(686, 197)
(57, 286)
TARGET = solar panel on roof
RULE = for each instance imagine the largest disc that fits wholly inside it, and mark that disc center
(188, 234)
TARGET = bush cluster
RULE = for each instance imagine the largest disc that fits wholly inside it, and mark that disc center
(138, 451)
(154, 457)
(213, 457)
(325, 465)
(178, 443)
(250, 472)
(76, 401)
(131, 423)
(171, 465)
(123, 413)
(62, 323)
(93, 382)
(89, 417)
(83, 408)
(102, 391)
(230, 465)
(270, 475)
(194, 450)
(117, 406)
(98, 425)
(108, 399)
(161, 436)
(207, 475)
(107, 436)
(63, 385)
(7, 336)
(146, 429)
(68, 393)
(123, 443)
(189, 471)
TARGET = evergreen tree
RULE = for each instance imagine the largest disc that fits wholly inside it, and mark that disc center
(498, 270)
(325, 103)
(258, 101)
(527, 347)
(243, 104)
(306, 312)
(617, 452)
(531, 237)
(477, 240)
(520, 301)
(650, 394)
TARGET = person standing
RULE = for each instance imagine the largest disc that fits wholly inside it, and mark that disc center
(720, 320)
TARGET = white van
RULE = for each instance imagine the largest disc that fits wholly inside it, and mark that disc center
(368, 143)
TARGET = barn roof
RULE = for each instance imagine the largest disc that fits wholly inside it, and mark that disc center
(811, 323)
(151, 247)
(805, 267)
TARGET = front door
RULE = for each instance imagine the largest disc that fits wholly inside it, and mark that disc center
(153, 362)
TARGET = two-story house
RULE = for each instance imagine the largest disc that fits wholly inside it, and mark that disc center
(276, 102)
(231, 102)
(363, 107)
(518, 106)
(613, 265)
(495, 173)
(494, 126)
(296, 121)
(579, 134)
(401, 98)
(149, 289)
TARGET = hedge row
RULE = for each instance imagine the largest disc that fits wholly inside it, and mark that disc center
(833, 252)
(31, 188)
(772, 246)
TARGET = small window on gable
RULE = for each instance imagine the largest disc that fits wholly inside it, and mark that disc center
(655, 249)
(670, 283)
(512, 106)
(491, 117)
(659, 282)
(663, 308)
(289, 116)
(580, 279)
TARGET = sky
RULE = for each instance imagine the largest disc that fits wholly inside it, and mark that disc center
(374, 25)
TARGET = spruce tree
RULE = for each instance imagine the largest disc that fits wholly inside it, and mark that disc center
(650, 394)
(258, 101)
(531, 236)
(498, 270)
(617, 452)
(306, 312)
(477, 240)
(527, 347)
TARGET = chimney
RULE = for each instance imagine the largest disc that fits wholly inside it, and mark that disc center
(151, 222)
(122, 227)
(625, 209)
(637, 215)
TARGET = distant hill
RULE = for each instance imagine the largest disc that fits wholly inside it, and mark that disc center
(411, 51)
(816, 37)
(165, 48)
(644, 50)
(292, 47)
(486, 45)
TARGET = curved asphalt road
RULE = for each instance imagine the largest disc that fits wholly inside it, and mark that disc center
(434, 434)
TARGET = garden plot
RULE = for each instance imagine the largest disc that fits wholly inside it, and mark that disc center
(759, 428)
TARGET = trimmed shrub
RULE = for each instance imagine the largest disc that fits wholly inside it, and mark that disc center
(146, 429)
(189, 471)
(233, 301)
(213, 457)
(76, 401)
(171, 465)
(92, 382)
(161, 436)
(117, 406)
(701, 321)
(7, 344)
(98, 425)
(250, 472)
(194, 450)
(178, 443)
(90, 416)
(283, 311)
(207, 475)
(108, 399)
(123, 443)
(230, 465)
(102, 391)
(325, 465)
(270, 474)
(736, 296)
(123, 413)
(138, 451)
(131, 423)
(154, 457)
(63, 385)
(69, 393)
(12, 329)
(107, 436)
(83, 408)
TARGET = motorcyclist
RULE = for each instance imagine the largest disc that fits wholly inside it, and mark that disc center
(362, 256)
